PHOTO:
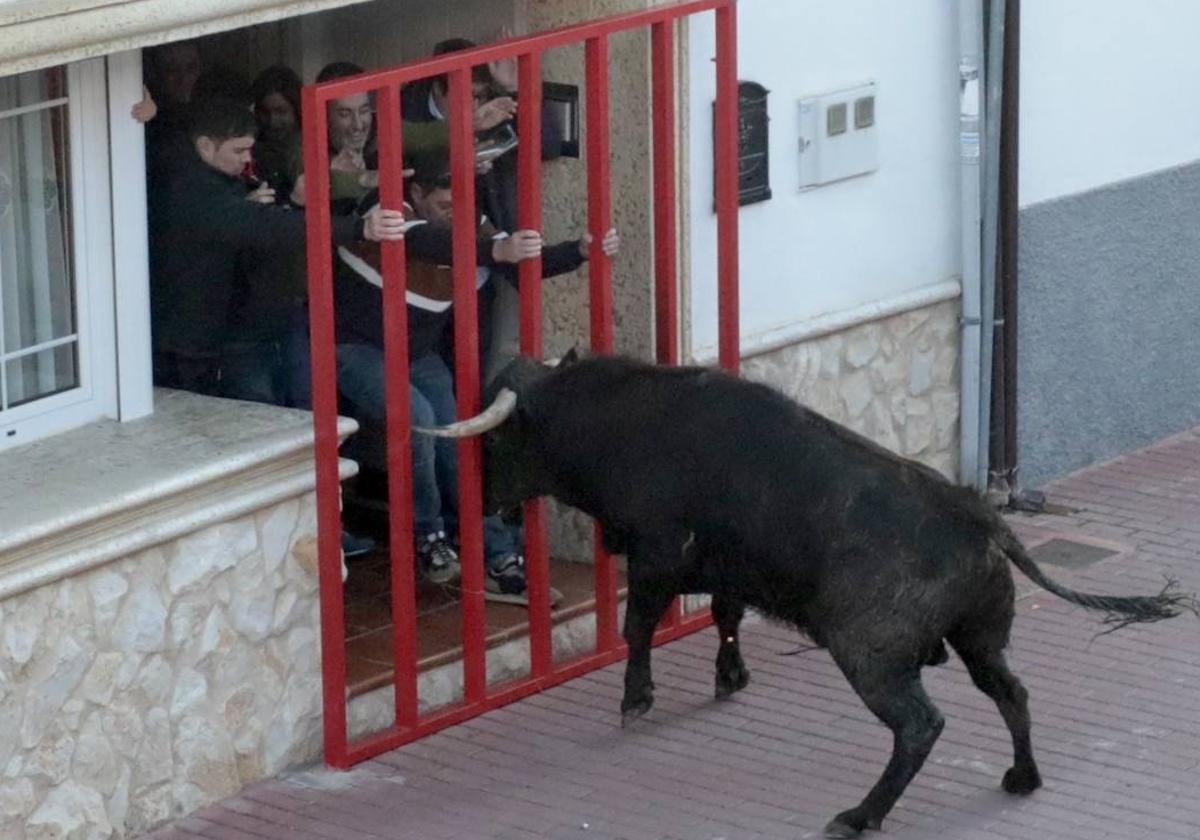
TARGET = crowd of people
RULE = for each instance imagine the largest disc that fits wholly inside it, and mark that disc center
(226, 192)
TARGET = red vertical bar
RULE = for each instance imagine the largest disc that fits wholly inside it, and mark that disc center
(529, 195)
(666, 299)
(599, 186)
(666, 294)
(599, 183)
(727, 186)
(466, 361)
(324, 381)
(399, 429)
(529, 212)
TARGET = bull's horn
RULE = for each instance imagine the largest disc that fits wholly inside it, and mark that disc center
(492, 416)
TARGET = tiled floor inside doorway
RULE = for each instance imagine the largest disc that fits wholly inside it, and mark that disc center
(439, 620)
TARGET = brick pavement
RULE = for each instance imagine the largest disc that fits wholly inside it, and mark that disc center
(1116, 725)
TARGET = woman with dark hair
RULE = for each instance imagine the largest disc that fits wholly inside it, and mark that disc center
(278, 153)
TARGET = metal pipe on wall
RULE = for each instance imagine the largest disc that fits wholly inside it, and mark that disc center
(970, 47)
(1004, 454)
(994, 84)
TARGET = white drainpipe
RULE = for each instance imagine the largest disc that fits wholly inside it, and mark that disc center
(979, 139)
(970, 47)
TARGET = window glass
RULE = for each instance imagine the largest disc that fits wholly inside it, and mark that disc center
(39, 353)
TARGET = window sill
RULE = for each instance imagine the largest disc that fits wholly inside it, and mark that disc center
(83, 498)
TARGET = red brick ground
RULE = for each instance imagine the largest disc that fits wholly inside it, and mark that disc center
(1116, 726)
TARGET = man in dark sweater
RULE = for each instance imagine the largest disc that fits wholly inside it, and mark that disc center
(429, 294)
(207, 225)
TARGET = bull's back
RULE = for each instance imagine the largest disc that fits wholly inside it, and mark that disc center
(742, 462)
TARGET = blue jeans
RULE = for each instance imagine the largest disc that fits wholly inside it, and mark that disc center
(435, 460)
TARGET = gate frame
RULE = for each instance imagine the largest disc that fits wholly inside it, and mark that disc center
(385, 84)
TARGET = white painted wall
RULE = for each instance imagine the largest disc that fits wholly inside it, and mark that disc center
(863, 241)
(1109, 91)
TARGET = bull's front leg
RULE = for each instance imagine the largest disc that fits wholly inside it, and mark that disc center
(732, 674)
(648, 600)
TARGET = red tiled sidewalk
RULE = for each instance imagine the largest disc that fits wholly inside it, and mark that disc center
(1116, 725)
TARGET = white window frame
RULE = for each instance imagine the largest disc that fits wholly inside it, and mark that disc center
(130, 237)
(110, 263)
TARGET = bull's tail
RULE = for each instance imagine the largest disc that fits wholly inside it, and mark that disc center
(1119, 610)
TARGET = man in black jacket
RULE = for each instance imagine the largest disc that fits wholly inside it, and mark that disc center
(207, 225)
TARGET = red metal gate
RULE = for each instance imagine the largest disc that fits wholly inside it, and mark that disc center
(385, 84)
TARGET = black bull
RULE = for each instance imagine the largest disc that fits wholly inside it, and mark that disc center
(713, 484)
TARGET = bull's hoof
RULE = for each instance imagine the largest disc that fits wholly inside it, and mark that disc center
(731, 680)
(1021, 780)
(939, 655)
(635, 704)
(631, 713)
(850, 824)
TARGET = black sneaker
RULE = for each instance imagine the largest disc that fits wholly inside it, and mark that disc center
(356, 546)
(504, 579)
(437, 558)
(505, 582)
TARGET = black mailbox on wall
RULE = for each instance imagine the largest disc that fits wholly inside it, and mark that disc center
(754, 171)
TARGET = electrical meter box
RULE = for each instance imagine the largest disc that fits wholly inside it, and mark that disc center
(838, 135)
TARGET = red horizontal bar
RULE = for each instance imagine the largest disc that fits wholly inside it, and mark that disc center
(689, 623)
(465, 59)
(672, 615)
(389, 739)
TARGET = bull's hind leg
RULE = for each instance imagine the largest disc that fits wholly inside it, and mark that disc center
(983, 655)
(645, 607)
(895, 694)
(732, 674)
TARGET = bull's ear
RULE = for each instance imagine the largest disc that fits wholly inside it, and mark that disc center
(568, 358)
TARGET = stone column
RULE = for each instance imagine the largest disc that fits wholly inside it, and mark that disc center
(565, 181)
